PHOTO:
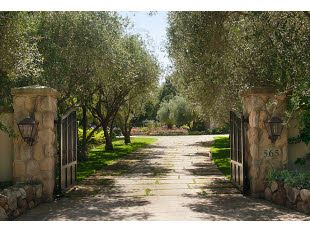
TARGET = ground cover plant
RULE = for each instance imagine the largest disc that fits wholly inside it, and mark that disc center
(298, 179)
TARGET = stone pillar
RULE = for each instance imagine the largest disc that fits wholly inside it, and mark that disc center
(36, 163)
(260, 104)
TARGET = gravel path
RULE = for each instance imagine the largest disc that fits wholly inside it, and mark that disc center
(174, 179)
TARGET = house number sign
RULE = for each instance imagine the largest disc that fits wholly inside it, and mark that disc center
(271, 152)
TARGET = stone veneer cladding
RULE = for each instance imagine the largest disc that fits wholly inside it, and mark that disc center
(259, 104)
(37, 162)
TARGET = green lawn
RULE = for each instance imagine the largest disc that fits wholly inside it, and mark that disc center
(220, 154)
(98, 158)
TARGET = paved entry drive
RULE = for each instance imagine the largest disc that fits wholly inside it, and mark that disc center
(174, 179)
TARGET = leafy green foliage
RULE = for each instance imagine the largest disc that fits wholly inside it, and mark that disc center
(175, 111)
(298, 179)
(5, 184)
(5, 129)
(98, 158)
(303, 160)
(220, 151)
(218, 54)
(87, 56)
(20, 61)
(96, 139)
(305, 131)
(164, 114)
(181, 111)
(168, 90)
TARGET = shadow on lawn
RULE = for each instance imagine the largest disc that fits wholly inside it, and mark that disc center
(99, 159)
(202, 144)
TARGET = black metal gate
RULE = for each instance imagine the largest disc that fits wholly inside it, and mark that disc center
(238, 166)
(67, 161)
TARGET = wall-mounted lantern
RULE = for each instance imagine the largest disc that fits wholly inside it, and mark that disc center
(274, 127)
(28, 129)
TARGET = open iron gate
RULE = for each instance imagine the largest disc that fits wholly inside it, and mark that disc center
(238, 167)
(67, 150)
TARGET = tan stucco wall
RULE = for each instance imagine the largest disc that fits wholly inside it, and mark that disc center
(295, 150)
(6, 149)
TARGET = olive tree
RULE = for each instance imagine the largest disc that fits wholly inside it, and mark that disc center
(19, 60)
(217, 54)
(177, 111)
(144, 66)
(181, 111)
(72, 43)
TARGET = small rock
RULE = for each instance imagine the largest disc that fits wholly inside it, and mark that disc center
(289, 205)
(3, 200)
(23, 193)
(30, 195)
(16, 213)
(305, 207)
(38, 191)
(31, 205)
(22, 204)
(274, 186)
(268, 194)
(286, 187)
(6, 192)
(3, 215)
(278, 197)
(17, 193)
(292, 194)
(12, 201)
(6, 207)
(305, 194)
(299, 205)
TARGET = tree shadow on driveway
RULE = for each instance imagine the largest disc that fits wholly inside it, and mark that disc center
(96, 208)
(239, 208)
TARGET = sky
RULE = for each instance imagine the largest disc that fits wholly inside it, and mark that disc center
(153, 29)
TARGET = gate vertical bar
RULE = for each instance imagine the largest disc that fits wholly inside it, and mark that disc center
(76, 143)
(59, 152)
(242, 149)
(231, 141)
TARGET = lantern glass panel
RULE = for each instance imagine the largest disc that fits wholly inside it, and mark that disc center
(34, 131)
(28, 129)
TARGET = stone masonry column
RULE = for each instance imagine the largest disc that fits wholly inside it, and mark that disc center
(259, 105)
(36, 163)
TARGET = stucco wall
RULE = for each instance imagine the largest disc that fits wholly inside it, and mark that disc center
(295, 150)
(6, 149)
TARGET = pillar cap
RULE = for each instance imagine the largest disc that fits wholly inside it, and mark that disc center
(258, 91)
(34, 90)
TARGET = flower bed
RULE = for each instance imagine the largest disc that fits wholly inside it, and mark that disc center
(290, 189)
(16, 199)
(159, 131)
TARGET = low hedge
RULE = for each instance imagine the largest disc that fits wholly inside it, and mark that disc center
(298, 179)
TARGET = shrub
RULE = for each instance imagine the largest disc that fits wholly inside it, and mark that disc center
(5, 184)
(298, 179)
(96, 139)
